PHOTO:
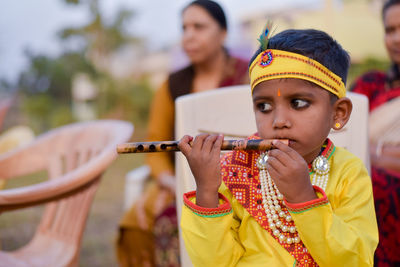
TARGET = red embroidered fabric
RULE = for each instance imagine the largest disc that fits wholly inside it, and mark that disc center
(241, 175)
(300, 207)
(221, 210)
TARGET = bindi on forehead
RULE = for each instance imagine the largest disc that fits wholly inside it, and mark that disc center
(279, 92)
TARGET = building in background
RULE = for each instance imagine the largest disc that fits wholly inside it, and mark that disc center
(355, 24)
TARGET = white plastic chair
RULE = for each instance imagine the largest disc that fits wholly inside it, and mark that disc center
(230, 111)
(134, 184)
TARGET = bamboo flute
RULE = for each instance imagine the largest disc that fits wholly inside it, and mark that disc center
(172, 146)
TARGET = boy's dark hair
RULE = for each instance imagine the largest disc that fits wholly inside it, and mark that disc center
(387, 5)
(314, 44)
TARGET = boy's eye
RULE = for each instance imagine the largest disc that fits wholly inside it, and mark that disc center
(264, 107)
(298, 103)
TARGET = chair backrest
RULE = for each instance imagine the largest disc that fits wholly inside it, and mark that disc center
(74, 157)
(230, 111)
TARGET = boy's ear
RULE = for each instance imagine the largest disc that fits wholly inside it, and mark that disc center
(342, 110)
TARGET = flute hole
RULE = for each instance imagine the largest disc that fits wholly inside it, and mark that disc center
(163, 146)
(152, 147)
(140, 147)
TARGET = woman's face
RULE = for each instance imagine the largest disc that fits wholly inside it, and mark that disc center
(391, 22)
(202, 36)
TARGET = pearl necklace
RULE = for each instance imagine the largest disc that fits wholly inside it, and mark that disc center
(321, 169)
(279, 219)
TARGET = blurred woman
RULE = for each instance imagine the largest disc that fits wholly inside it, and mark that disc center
(383, 91)
(204, 31)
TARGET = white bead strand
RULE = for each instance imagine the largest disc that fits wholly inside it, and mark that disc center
(278, 218)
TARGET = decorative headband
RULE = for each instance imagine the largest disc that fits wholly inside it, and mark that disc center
(276, 64)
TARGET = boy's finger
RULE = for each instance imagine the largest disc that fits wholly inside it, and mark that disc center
(216, 148)
(272, 170)
(275, 163)
(281, 156)
(285, 148)
(209, 143)
(199, 141)
(184, 145)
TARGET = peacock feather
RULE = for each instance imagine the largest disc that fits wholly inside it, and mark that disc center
(265, 35)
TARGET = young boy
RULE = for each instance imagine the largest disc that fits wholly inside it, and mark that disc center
(308, 203)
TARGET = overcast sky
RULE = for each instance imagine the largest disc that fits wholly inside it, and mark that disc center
(33, 25)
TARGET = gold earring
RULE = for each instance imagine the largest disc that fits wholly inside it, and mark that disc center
(337, 125)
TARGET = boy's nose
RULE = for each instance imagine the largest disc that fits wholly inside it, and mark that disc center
(280, 120)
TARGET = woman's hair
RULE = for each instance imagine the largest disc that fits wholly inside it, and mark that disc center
(314, 44)
(387, 5)
(212, 8)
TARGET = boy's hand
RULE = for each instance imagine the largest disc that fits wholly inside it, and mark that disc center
(204, 161)
(289, 171)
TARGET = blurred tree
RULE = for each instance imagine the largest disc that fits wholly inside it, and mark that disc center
(101, 39)
(6, 87)
(72, 1)
(130, 101)
(45, 86)
(52, 76)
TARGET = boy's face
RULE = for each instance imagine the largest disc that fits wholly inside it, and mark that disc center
(296, 110)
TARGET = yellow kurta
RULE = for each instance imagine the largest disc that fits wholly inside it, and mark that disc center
(342, 232)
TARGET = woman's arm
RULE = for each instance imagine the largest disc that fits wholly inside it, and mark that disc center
(385, 157)
(161, 128)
